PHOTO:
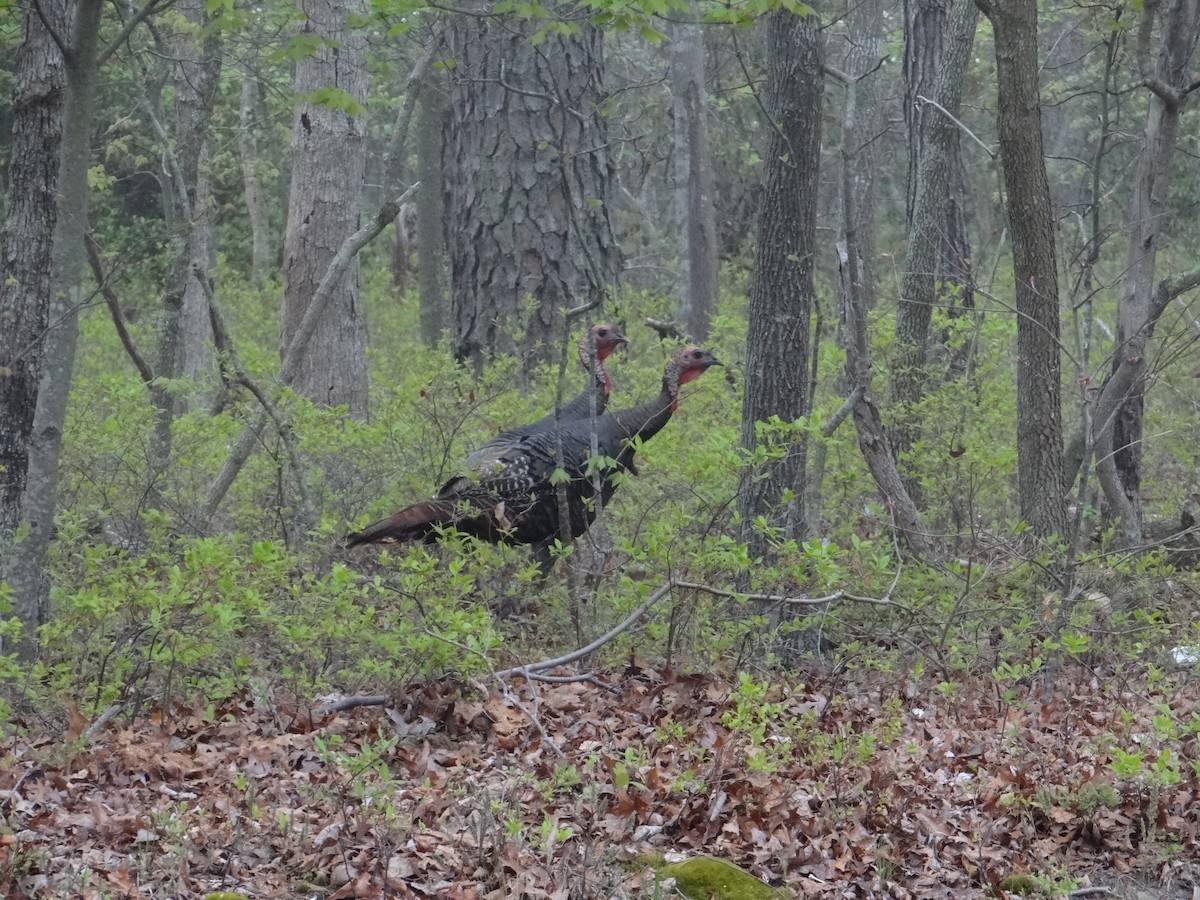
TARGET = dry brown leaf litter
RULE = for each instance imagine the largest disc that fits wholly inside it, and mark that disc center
(949, 799)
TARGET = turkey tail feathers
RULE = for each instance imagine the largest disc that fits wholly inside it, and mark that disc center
(413, 523)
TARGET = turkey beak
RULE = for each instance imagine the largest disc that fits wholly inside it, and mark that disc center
(713, 361)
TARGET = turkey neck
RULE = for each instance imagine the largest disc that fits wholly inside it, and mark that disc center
(648, 419)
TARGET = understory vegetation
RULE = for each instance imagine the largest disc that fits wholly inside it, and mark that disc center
(159, 617)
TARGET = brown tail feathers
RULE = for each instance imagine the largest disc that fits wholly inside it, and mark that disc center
(413, 523)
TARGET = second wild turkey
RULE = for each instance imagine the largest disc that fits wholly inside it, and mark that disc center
(594, 347)
(516, 501)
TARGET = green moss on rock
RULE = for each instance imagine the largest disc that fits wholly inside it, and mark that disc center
(705, 878)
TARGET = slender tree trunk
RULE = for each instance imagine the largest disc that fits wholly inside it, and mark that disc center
(864, 51)
(528, 173)
(328, 162)
(933, 207)
(1118, 439)
(431, 210)
(184, 329)
(26, 568)
(1039, 404)
(698, 255)
(196, 331)
(256, 205)
(778, 345)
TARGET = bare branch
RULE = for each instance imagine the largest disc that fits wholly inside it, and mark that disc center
(965, 130)
(101, 720)
(114, 309)
(785, 599)
(353, 703)
(595, 645)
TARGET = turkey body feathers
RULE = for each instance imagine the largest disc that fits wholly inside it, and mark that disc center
(515, 500)
(595, 346)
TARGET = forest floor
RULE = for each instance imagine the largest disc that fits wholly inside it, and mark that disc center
(840, 786)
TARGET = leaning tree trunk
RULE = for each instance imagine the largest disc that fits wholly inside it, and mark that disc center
(528, 174)
(782, 294)
(328, 162)
(1039, 404)
(26, 567)
(694, 210)
(1118, 439)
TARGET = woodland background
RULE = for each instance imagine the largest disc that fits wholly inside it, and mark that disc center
(902, 605)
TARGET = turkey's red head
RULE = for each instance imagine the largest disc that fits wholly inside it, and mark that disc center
(692, 362)
(605, 337)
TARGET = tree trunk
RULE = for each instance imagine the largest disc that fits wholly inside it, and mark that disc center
(184, 329)
(1118, 438)
(932, 44)
(782, 295)
(864, 50)
(1039, 405)
(26, 247)
(256, 205)
(431, 210)
(26, 567)
(528, 172)
(328, 162)
(934, 202)
(698, 255)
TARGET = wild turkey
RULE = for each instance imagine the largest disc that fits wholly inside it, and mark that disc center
(594, 347)
(516, 502)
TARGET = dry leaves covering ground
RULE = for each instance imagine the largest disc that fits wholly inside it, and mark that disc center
(841, 787)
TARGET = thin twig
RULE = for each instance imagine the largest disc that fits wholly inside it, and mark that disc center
(784, 598)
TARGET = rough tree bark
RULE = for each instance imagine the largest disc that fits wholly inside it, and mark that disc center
(928, 36)
(26, 247)
(1171, 27)
(863, 54)
(694, 210)
(528, 173)
(782, 294)
(935, 202)
(1039, 389)
(328, 163)
(25, 567)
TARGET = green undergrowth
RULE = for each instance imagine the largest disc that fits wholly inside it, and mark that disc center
(150, 602)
